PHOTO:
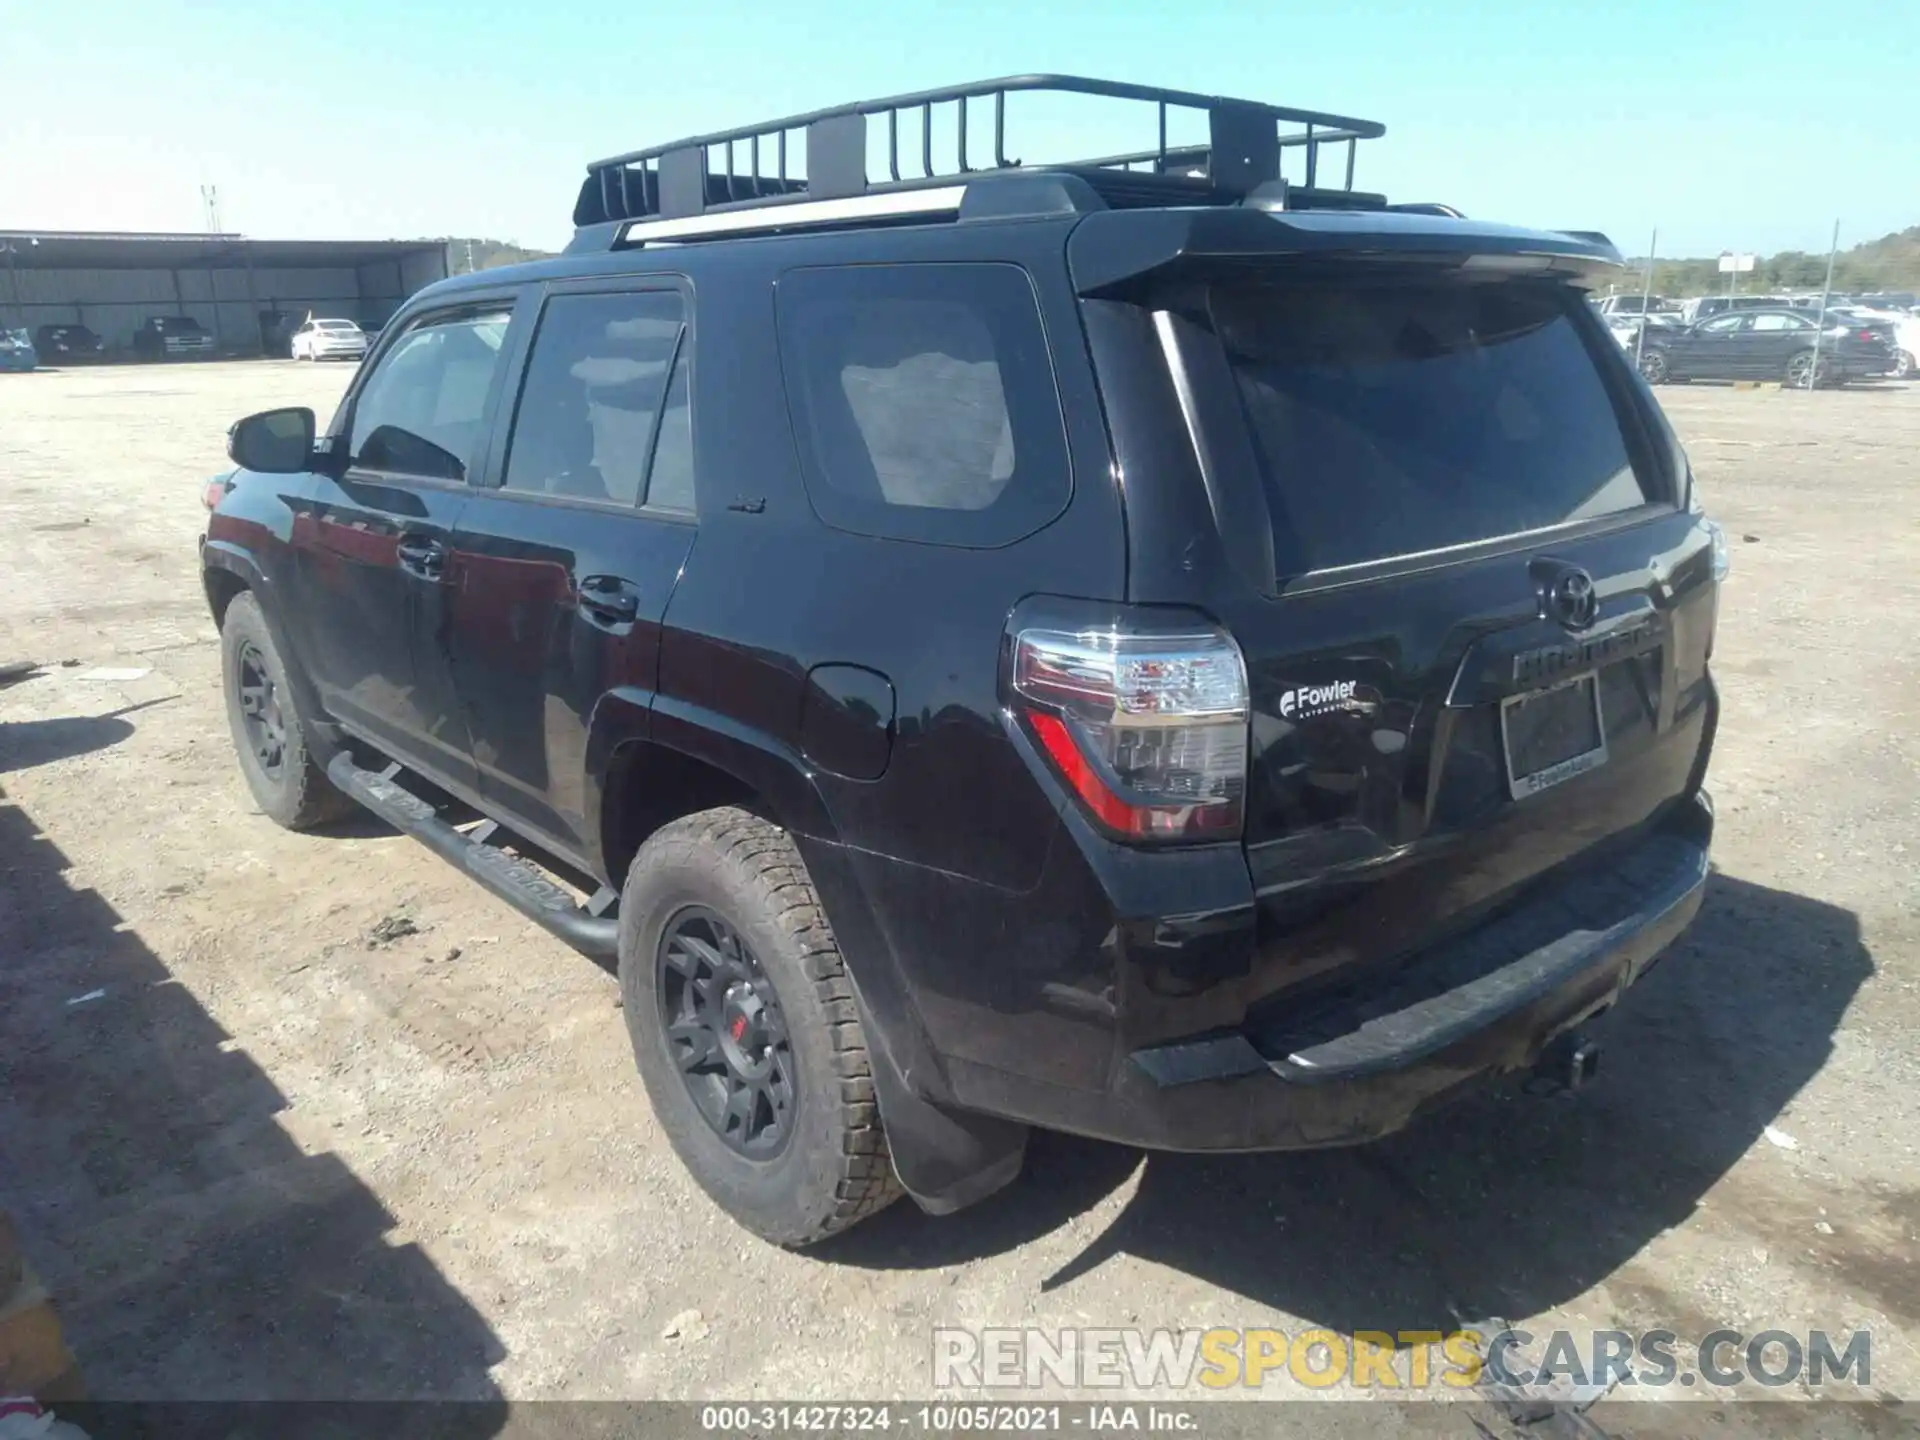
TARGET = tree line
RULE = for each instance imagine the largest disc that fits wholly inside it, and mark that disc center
(1889, 263)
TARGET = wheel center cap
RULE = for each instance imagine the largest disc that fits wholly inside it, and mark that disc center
(743, 1028)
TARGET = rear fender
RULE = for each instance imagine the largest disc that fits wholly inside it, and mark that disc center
(945, 1158)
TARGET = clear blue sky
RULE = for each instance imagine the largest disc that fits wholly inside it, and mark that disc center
(1730, 124)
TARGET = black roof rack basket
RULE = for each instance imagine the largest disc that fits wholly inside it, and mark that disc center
(749, 166)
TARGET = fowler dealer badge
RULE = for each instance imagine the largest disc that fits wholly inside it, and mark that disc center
(1303, 702)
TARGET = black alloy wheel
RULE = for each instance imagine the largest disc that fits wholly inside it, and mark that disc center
(260, 713)
(726, 1032)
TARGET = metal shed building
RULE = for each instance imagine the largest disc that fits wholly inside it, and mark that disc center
(246, 293)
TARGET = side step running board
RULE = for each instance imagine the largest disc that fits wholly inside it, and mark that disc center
(514, 880)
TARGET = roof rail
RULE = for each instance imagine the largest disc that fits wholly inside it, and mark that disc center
(750, 168)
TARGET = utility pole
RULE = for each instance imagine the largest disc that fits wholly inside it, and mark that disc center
(1813, 375)
(469, 257)
(210, 207)
(1646, 298)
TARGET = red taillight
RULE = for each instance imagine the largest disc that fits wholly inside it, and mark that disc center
(1868, 335)
(1107, 807)
(1148, 730)
(215, 492)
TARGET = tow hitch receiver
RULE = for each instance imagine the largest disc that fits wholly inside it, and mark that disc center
(1568, 1062)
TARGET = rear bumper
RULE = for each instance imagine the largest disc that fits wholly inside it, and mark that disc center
(1361, 1065)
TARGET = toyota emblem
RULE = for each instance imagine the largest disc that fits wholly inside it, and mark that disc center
(1571, 598)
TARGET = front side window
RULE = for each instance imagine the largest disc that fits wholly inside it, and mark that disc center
(422, 410)
(591, 424)
(924, 400)
(1773, 322)
(1402, 415)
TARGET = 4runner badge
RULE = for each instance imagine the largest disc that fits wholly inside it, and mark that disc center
(1305, 701)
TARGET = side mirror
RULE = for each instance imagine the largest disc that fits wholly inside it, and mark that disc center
(274, 442)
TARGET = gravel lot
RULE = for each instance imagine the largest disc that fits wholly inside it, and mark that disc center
(275, 1157)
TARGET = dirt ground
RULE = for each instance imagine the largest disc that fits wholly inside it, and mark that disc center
(255, 1152)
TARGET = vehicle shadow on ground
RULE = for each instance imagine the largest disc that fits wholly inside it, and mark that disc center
(1503, 1204)
(194, 1251)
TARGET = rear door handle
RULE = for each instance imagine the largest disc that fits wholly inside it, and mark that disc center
(609, 599)
(422, 556)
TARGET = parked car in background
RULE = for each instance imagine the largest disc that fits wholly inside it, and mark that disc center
(329, 340)
(1776, 344)
(16, 350)
(172, 337)
(1901, 328)
(68, 345)
(1635, 306)
(1705, 307)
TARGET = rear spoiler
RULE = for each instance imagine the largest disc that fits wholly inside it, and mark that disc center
(1112, 251)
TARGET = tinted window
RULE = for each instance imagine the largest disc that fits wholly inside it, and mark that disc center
(591, 401)
(1725, 325)
(1401, 416)
(421, 410)
(670, 481)
(1772, 321)
(924, 401)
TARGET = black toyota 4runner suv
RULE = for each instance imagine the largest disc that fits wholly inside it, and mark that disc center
(1168, 647)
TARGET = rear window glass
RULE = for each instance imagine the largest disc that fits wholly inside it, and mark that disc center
(924, 399)
(1402, 416)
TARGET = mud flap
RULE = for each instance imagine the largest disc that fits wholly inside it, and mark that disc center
(946, 1159)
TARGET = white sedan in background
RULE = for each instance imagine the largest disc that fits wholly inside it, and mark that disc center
(329, 340)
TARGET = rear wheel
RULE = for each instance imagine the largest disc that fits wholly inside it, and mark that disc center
(1903, 365)
(1803, 372)
(268, 730)
(745, 1030)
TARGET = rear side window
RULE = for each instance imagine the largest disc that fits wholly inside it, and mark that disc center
(923, 400)
(1407, 415)
(591, 424)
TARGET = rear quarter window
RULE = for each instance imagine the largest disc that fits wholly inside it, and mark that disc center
(1401, 416)
(923, 401)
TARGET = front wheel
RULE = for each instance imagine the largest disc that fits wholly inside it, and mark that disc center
(1653, 366)
(745, 1029)
(269, 732)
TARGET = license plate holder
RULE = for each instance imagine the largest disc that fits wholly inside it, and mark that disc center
(1550, 735)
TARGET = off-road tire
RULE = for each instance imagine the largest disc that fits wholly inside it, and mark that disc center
(834, 1169)
(300, 796)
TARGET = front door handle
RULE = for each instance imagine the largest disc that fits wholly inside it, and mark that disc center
(422, 556)
(609, 599)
